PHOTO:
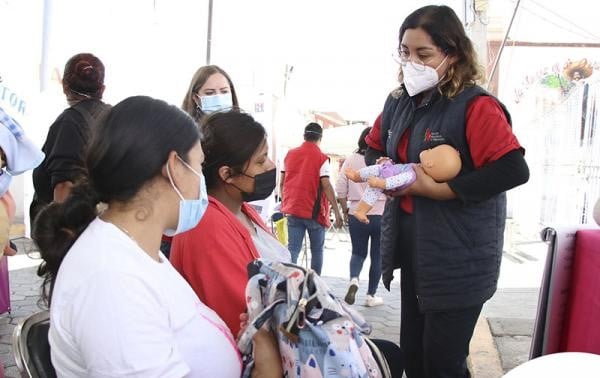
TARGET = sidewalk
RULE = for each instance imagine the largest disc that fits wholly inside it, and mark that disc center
(501, 339)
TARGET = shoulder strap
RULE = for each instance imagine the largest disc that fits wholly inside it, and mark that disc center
(87, 116)
(94, 115)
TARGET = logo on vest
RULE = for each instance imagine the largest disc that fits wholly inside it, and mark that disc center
(433, 136)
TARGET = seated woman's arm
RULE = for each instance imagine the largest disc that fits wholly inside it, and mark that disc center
(213, 261)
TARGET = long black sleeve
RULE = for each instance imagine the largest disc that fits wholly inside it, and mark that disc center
(509, 171)
(371, 155)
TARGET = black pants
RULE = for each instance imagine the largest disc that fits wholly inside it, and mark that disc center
(434, 344)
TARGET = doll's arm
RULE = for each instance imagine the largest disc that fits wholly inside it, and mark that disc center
(403, 176)
(363, 174)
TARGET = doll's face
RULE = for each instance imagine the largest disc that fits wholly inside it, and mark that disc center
(442, 162)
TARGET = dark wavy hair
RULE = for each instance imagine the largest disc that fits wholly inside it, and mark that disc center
(198, 80)
(84, 76)
(362, 143)
(447, 33)
(229, 139)
(126, 151)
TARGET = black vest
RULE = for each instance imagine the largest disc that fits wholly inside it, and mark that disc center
(458, 247)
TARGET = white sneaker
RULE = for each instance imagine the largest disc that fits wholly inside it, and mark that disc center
(352, 289)
(373, 301)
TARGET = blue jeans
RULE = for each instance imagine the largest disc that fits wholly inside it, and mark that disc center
(316, 233)
(359, 235)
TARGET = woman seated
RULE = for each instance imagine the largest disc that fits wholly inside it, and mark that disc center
(117, 307)
(213, 256)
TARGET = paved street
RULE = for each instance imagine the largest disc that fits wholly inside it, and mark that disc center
(508, 316)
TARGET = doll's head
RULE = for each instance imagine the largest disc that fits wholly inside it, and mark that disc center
(442, 162)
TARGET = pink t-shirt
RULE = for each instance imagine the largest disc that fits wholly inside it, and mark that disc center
(353, 191)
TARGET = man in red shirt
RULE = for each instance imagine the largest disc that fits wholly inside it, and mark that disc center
(305, 190)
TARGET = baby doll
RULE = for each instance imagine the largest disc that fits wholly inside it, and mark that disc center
(17, 155)
(442, 163)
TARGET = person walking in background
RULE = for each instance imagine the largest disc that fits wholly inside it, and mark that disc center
(360, 233)
(306, 190)
(210, 90)
(83, 85)
(446, 237)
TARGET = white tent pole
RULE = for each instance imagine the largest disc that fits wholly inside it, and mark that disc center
(46, 29)
(497, 60)
(209, 32)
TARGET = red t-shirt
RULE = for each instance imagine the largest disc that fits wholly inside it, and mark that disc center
(212, 257)
(489, 136)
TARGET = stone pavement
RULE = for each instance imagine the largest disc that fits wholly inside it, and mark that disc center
(501, 339)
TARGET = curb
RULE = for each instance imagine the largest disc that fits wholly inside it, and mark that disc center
(484, 360)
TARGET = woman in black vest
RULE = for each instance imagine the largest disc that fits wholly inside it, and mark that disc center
(447, 237)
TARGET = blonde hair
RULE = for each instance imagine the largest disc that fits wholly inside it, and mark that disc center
(198, 80)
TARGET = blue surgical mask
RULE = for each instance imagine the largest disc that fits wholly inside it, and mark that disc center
(216, 103)
(190, 211)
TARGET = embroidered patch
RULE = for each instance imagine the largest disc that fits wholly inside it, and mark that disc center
(433, 136)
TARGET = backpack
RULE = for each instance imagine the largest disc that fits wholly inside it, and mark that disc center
(318, 335)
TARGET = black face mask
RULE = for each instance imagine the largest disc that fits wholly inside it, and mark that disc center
(264, 184)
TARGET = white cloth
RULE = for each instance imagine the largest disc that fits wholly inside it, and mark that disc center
(324, 171)
(116, 312)
(21, 153)
(268, 247)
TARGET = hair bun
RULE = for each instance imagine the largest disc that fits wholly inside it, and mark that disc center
(86, 72)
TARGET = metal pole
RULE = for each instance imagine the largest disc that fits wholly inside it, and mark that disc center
(495, 66)
(209, 33)
(46, 27)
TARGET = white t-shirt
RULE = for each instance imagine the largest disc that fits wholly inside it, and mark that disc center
(324, 171)
(268, 247)
(116, 312)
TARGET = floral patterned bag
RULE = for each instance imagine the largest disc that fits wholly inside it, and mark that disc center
(318, 334)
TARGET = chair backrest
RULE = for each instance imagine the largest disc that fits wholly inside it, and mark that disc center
(31, 347)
